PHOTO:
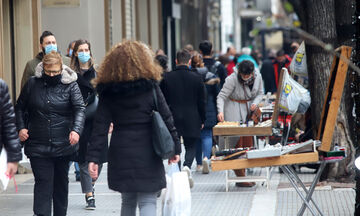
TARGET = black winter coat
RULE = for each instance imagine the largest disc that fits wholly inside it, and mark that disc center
(267, 73)
(53, 112)
(133, 165)
(184, 92)
(8, 133)
(88, 93)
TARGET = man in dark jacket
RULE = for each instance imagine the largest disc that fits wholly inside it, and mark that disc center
(267, 72)
(282, 60)
(8, 133)
(184, 92)
(47, 44)
(213, 66)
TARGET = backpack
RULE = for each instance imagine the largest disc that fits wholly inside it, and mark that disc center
(214, 68)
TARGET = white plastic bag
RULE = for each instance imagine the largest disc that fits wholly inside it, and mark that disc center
(298, 65)
(293, 97)
(177, 198)
(4, 180)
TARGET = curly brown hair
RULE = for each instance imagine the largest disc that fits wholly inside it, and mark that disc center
(128, 61)
(197, 61)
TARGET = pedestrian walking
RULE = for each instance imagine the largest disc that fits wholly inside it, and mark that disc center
(240, 96)
(55, 110)
(9, 136)
(83, 64)
(184, 91)
(281, 60)
(47, 44)
(205, 143)
(267, 72)
(163, 61)
(125, 83)
(246, 55)
(69, 53)
(213, 66)
(70, 49)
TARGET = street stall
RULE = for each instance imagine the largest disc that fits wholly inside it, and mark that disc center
(312, 151)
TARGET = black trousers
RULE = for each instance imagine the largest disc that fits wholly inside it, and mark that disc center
(190, 150)
(51, 185)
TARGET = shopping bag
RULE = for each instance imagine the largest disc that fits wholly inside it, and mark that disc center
(298, 65)
(4, 179)
(177, 198)
(293, 97)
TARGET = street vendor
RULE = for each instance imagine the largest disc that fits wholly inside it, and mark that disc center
(238, 100)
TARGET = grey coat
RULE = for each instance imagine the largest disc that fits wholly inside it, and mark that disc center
(233, 89)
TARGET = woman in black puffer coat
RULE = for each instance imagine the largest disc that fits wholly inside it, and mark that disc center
(8, 133)
(54, 107)
(124, 83)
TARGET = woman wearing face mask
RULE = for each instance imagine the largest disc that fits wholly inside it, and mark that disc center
(240, 95)
(55, 108)
(82, 63)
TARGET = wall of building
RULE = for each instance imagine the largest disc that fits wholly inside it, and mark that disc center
(130, 19)
(72, 23)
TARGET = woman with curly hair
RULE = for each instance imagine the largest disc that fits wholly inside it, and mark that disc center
(125, 85)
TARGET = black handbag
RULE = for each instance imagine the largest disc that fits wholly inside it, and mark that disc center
(91, 107)
(163, 142)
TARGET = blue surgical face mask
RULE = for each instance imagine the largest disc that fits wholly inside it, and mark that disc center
(231, 57)
(70, 52)
(50, 47)
(84, 57)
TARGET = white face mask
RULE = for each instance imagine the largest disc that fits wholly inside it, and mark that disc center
(247, 78)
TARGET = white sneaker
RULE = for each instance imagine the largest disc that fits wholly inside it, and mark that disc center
(199, 168)
(188, 171)
(206, 168)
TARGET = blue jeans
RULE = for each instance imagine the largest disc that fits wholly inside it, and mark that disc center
(76, 166)
(204, 145)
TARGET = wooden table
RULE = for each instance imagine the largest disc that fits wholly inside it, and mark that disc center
(226, 133)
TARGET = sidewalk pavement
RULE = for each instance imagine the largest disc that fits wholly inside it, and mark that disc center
(208, 197)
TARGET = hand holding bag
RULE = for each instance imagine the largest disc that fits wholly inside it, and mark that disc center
(163, 142)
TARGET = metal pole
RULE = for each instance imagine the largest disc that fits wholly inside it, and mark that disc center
(292, 171)
(311, 190)
(297, 190)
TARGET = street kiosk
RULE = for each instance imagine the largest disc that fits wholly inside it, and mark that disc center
(325, 133)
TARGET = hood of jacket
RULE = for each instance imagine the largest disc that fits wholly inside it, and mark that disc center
(67, 74)
(125, 89)
(208, 77)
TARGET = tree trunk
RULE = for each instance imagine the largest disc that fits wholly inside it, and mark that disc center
(321, 23)
(344, 134)
(336, 22)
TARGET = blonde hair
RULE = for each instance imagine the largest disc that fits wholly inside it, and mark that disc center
(52, 58)
(128, 61)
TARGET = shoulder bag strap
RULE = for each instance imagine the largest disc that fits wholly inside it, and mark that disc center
(155, 98)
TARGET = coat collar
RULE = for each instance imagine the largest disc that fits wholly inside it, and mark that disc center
(67, 75)
(182, 67)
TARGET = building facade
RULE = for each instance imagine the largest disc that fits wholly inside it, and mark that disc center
(103, 22)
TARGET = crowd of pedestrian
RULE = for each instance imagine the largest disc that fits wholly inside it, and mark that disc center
(68, 106)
